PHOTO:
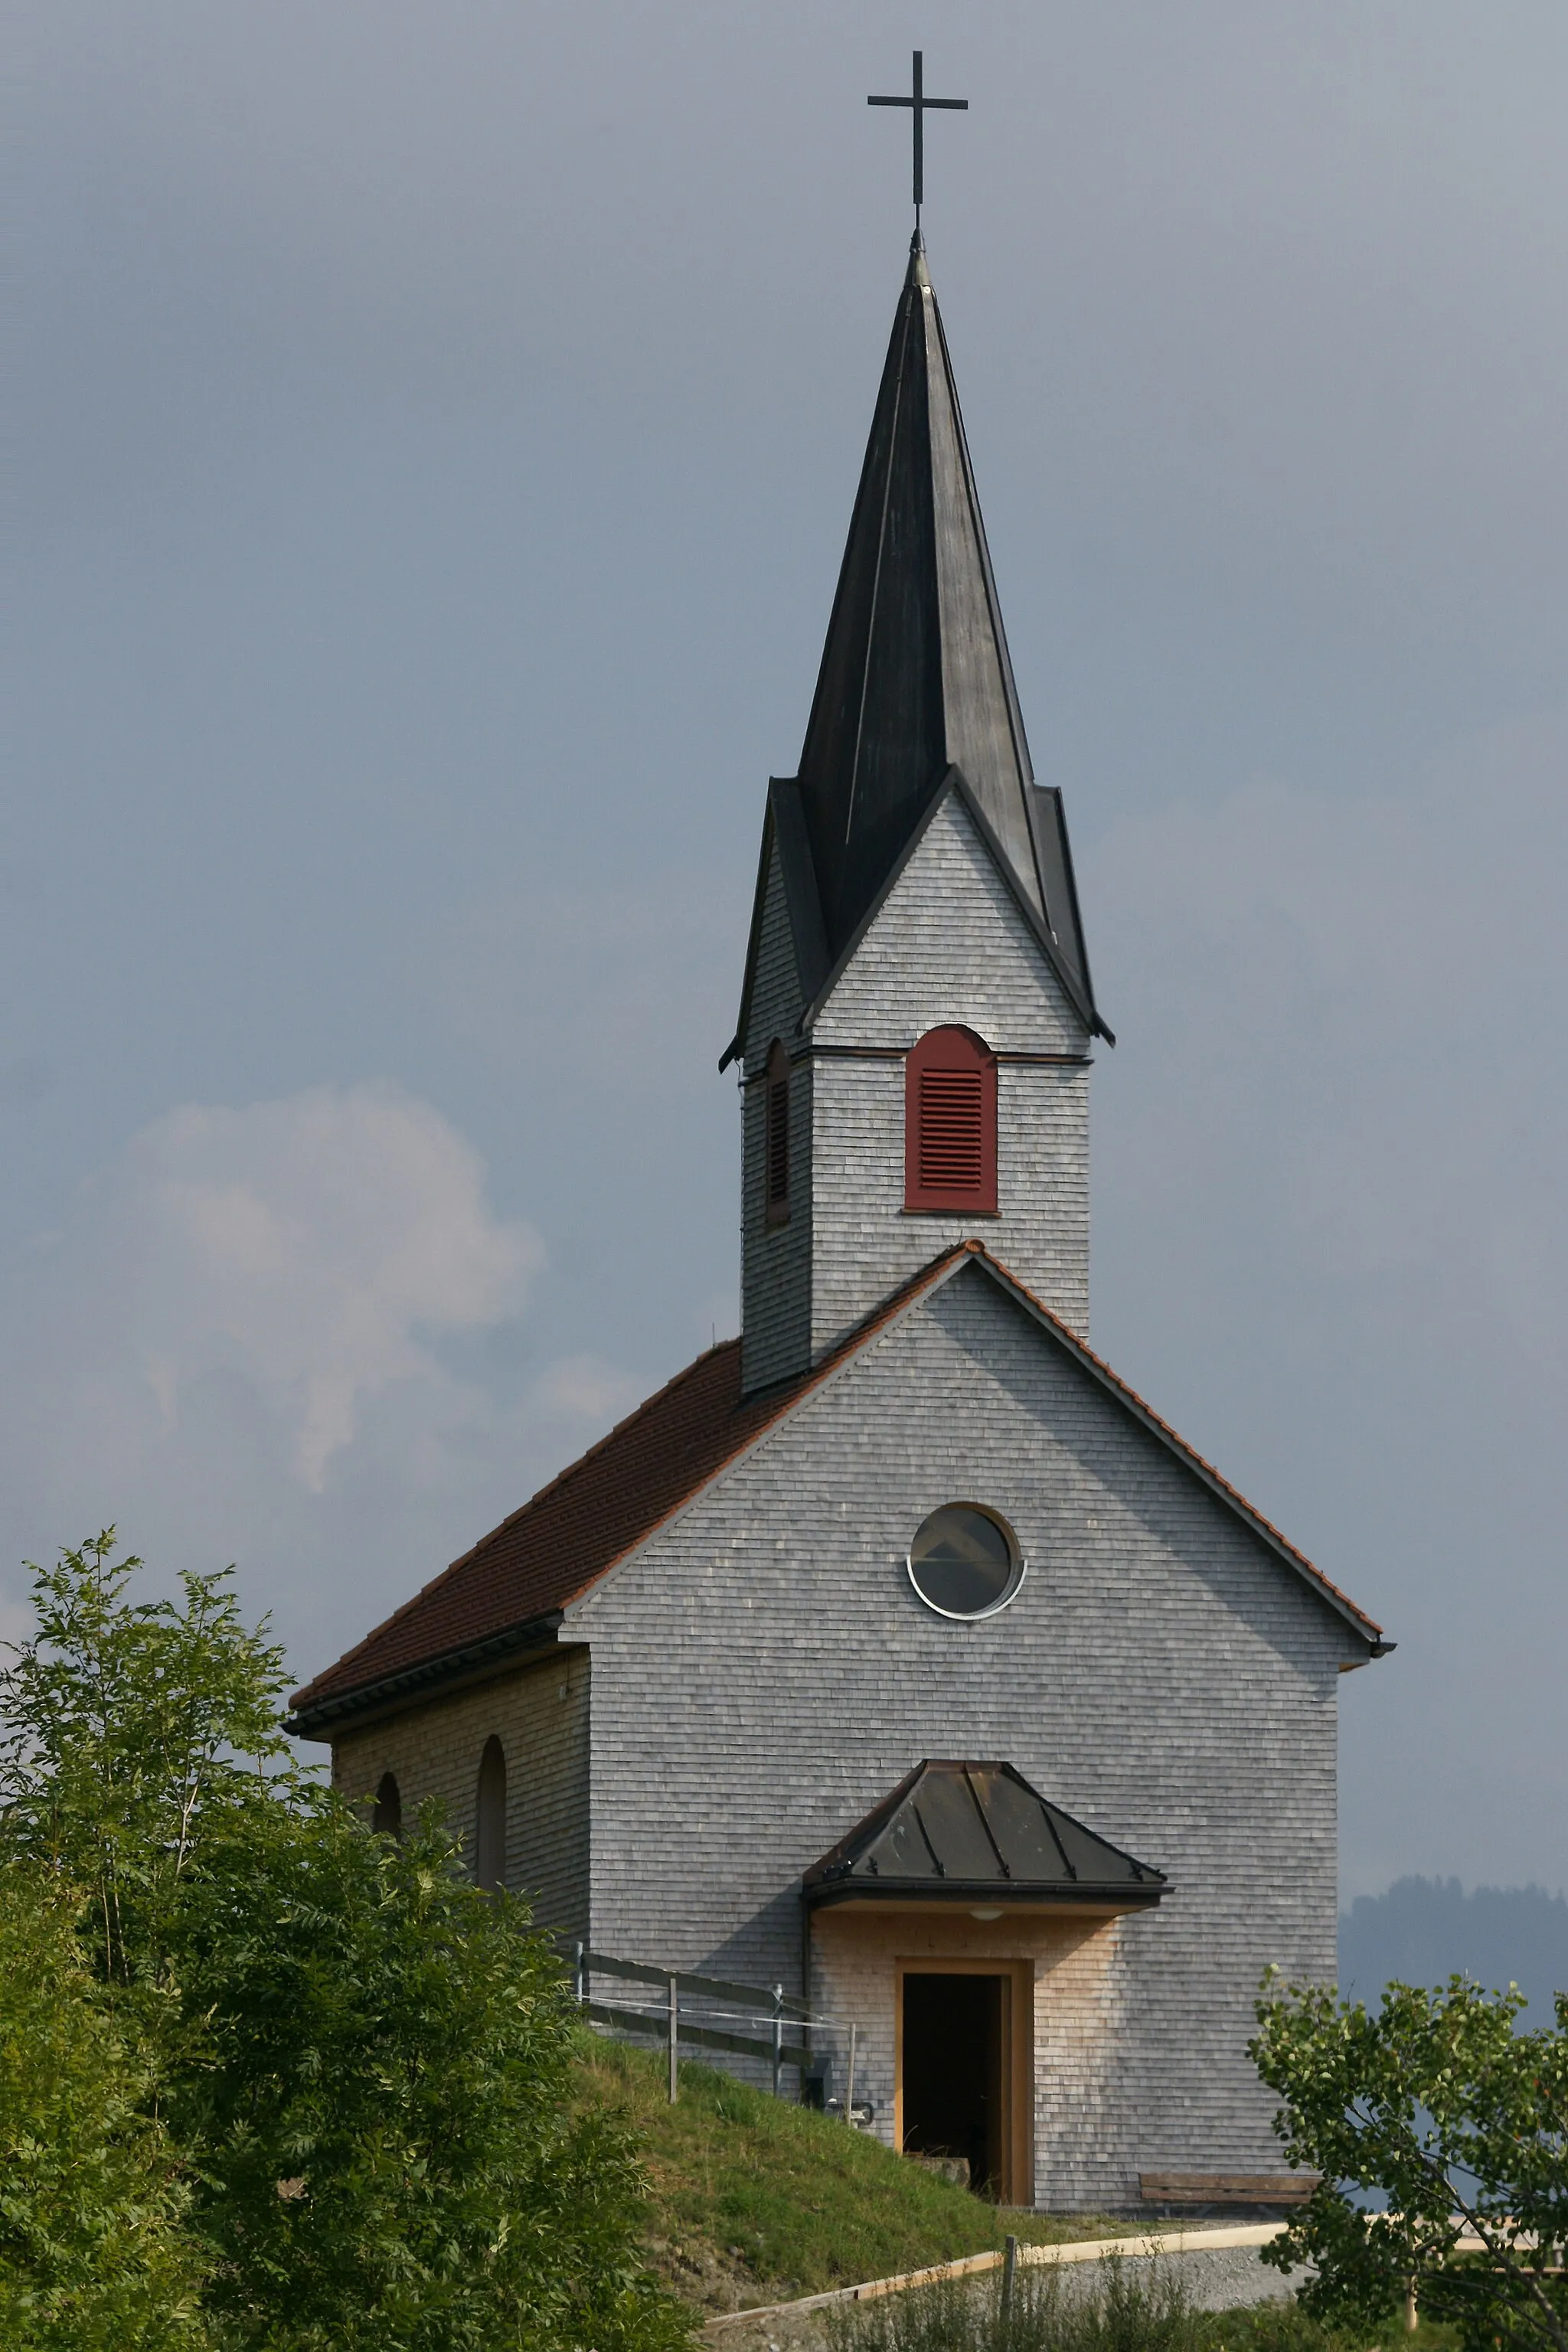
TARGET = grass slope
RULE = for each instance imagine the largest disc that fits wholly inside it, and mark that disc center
(755, 2199)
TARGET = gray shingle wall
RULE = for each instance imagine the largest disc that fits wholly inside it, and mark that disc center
(764, 1674)
(540, 1715)
(949, 945)
(775, 1260)
(775, 1007)
(865, 1243)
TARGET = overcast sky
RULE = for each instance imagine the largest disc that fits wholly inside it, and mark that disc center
(434, 436)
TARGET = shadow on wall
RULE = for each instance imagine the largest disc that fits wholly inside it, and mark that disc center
(1424, 1930)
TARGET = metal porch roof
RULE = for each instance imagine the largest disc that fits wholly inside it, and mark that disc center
(977, 1833)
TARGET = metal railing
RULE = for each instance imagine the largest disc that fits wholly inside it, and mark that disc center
(709, 2013)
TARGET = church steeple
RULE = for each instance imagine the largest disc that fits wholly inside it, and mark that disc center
(916, 676)
(917, 1020)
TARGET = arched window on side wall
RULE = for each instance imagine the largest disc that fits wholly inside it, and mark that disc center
(489, 1824)
(778, 1134)
(950, 1124)
(388, 1815)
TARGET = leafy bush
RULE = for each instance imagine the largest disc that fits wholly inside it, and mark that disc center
(1459, 2125)
(361, 2064)
(94, 2251)
(379, 2101)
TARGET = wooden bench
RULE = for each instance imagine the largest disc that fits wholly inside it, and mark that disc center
(1226, 2188)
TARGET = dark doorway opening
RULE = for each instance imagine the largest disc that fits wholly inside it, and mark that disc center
(952, 2085)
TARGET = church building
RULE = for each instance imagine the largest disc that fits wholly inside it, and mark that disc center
(896, 1651)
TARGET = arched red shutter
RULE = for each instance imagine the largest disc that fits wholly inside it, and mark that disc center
(950, 1124)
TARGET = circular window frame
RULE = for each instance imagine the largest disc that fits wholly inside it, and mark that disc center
(1015, 1550)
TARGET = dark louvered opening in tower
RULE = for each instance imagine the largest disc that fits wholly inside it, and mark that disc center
(778, 1135)
(949, 1115)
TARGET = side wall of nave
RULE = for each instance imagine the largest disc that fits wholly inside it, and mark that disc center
(540, 1713)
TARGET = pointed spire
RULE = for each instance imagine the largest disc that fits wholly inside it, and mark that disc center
(915, 675)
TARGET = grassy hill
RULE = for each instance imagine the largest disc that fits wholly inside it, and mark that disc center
(757, 2200)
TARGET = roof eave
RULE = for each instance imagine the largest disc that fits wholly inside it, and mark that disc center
(1365, 1628)
(783, 831)
(981, 1894)
(737, 1042)
(953, 780)
(310, 1718)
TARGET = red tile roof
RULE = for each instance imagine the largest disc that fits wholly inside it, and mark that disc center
(549, 1552)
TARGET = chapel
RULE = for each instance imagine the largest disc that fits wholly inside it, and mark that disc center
(896, 1651)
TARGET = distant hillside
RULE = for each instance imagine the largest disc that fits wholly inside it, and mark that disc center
(1425, 1929)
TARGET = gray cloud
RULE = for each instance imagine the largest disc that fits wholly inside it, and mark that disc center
(1327, 1150)
(241, 1335)
(437, 433)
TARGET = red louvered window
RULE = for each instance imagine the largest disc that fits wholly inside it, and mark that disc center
(950, 1124)
(777, 1116)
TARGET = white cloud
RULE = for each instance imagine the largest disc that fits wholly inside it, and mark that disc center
(251, 1337)
(585, 1388)
(311, 1248)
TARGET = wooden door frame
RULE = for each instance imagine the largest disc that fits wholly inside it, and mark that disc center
(1018, 2068)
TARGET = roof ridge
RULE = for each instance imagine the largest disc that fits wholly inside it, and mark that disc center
(734, 1425)
(768, 1409)
(791, 1391)
(550, 1486)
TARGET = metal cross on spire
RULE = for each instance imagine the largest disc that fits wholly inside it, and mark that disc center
(918, 105)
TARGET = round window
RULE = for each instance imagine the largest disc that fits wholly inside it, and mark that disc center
(964, 1562)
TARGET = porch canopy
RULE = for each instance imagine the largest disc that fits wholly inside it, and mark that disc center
(978, 1834)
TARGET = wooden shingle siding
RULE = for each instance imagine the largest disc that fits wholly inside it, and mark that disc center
(949, 945)
(863, 1241)
(434, 1752)
(1162, 1675)
(775, 1259)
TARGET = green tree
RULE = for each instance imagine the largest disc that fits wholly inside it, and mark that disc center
(127, 1730)
(383, 2109)
(1459, 2125)
(95, 2254)
(364, 2063)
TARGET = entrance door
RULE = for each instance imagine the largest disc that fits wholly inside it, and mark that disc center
(954, 2073)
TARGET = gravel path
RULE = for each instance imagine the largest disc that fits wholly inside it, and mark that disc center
(1220, 2269)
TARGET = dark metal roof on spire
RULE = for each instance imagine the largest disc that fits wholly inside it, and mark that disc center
(916, 678)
